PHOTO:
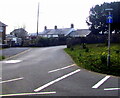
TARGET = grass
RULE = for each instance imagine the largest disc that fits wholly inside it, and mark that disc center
(94, 57)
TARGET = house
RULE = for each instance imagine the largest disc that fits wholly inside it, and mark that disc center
(67, 32)
(20, 33)
(62, 32)
(56, 32)
(80, 33)
(2, 32)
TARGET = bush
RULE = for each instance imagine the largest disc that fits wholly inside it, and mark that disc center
(2, 57)
(87, 50)
(103, 59)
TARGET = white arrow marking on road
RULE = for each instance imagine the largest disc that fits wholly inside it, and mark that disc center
(11, 80)
(56, 80)
(110, 89)
(22, 94)
(12, 61)
(101, 82)
(61, 68)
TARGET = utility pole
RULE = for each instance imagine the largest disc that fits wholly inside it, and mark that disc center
(109, 21)
(38, 19)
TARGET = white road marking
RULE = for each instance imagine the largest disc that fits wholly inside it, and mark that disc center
(56, 80)
(11, 80)
(12, 61)
(22, 94)
(61, 68)
(101, 82)
(110, 89)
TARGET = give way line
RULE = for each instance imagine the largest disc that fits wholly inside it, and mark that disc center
(101, 82)
(56, 80)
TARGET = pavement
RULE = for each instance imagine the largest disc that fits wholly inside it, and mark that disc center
(50, 72)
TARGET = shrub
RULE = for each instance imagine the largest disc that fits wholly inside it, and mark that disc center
(117, 51)
(2, 57)
(103, 59)
(87, 50)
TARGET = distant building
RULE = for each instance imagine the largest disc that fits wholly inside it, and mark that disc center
(20, 33)
(2, 32)
(64, 32)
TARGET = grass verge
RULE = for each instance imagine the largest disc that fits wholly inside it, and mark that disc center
(94, 57)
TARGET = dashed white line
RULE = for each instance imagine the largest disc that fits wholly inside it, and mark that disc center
(61, 68)
(101, 82)
(110, 89)
(56, 80)
(11, 80)
(22, 94)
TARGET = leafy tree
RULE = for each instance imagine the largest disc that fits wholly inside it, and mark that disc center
(97, 18)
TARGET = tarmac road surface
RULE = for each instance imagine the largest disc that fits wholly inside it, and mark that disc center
(50, 71)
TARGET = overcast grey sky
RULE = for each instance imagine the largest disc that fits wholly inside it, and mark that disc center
(19, 13)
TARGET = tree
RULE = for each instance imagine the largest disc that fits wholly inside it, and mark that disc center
(97, 18)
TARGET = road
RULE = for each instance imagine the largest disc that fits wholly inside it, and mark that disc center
(8, 52)
(50, 71)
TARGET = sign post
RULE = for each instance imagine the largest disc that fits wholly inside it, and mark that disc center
(109, 21)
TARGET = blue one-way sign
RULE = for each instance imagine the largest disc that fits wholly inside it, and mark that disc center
(109, 19)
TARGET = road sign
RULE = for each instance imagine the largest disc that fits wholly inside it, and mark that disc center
(109, 19)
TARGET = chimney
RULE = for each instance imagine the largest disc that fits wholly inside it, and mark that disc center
(72, 25)
(45, 28)
(55, 27)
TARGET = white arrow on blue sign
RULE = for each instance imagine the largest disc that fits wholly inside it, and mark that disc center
(109, 19)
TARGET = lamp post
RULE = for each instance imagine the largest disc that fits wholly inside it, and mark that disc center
(109, 21)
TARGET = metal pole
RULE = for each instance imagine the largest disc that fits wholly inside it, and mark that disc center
(38, 19)
(108, 58)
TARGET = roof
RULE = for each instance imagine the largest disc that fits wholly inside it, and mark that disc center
(64, 31)
(2, 24)
(45, 31)
(80, 33)
(19, 30)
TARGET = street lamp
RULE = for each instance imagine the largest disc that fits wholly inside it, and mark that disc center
(109, 21)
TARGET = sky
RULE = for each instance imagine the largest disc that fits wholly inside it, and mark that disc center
(63, 13)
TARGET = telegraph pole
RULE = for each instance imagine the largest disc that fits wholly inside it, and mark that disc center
(38, 19)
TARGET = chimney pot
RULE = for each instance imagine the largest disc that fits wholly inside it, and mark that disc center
(45, 28)
(72, 25)
(55, 27)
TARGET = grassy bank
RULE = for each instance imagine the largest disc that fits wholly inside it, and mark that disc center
(94, 57)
